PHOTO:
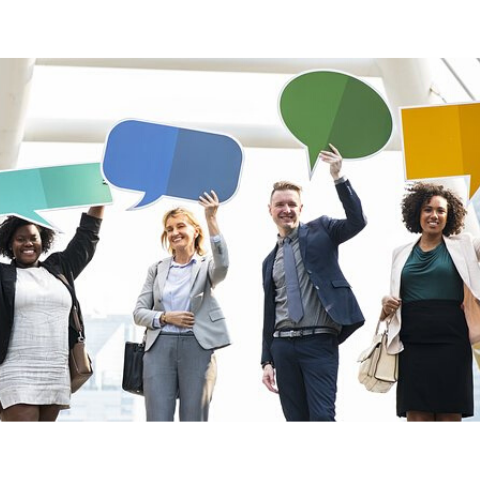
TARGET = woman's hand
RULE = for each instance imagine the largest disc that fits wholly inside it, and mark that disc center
(96, 211)
(334, 159)
(180, 319)
(210, 203)
(389, 306)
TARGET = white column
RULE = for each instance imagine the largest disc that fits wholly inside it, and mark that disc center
(15, 80)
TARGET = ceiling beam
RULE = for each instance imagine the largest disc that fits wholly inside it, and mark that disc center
(95, 131)
(363, 67)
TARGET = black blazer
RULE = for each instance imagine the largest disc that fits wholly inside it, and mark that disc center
(69, 263)
(319, 240)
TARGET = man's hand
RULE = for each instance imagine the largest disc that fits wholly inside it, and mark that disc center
(268, 378)
(334, 159)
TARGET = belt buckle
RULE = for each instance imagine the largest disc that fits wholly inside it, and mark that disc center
(295, 333)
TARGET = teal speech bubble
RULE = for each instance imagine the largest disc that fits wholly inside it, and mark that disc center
(323, 107)
(24, 192)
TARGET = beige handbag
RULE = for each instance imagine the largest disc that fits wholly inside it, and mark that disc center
(79, 361)
(378, 368)
(476, 352)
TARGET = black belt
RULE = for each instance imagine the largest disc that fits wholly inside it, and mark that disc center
(301, 332)
(178, 334)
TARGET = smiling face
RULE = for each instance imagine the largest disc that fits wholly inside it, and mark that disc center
(181, 233)
(285, 208)
(27, 246)
(433, 215)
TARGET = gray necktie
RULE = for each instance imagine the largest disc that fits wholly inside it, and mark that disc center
(294, 299)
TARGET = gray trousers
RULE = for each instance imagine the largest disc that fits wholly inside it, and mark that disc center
(176, 366)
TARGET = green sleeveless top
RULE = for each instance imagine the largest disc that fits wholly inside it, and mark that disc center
(430, 276)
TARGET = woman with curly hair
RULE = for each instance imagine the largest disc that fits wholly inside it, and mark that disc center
(433, 307)
(35, 309)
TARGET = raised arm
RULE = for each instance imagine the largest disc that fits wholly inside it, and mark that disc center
(82, 246)
(335, 160)
(96, 211)
(341, 230)
(219, 267)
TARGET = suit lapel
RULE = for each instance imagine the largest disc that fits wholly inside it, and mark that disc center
(398, 264)
(268, 267)
(195, 269)
(302, 238)
(454, 248)
(9, 279)
(162, 273)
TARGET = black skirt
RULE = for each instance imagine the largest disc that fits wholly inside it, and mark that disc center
(435, 368)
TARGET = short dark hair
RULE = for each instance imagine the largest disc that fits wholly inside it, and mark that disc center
(285, 185)
(11, 224)
(419, 193)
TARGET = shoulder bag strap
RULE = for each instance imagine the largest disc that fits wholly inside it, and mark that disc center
(76, 320)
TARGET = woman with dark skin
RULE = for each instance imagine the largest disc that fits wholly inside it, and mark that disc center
(430, 327)
(35, 306)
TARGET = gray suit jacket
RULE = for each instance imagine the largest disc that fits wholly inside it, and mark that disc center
(210, 328)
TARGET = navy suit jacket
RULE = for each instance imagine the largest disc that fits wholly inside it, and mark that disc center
(319, 240)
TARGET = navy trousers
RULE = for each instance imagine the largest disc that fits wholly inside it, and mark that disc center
(306, 375)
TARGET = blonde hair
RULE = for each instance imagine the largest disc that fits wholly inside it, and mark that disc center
(199, 240)
(286, 185)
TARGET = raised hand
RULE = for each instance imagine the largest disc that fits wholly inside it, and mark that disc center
(334, 159)
(210, 203)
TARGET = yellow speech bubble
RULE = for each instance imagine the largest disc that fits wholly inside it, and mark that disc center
(442, 141)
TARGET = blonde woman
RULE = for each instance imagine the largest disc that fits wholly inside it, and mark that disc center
(184, 322)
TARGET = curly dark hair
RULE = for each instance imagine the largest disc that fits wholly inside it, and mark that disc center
(418, 193)
(11, 224)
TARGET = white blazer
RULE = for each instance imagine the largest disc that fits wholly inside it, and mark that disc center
(465, 253)
(209, 328)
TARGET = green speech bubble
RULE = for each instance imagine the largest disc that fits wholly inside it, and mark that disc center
(323, 107)
(24, 192)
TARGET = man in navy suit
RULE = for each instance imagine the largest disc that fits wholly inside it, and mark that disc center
(309, 305)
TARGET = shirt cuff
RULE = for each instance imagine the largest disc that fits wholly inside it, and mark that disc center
(342, 179)
(215, 238)
(156, 320)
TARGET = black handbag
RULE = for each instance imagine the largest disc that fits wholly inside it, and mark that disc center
(132, 380)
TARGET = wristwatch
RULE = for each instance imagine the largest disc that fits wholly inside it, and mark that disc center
(264, 364)
(163, 319)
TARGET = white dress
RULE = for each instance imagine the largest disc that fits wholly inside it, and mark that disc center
(35, 370)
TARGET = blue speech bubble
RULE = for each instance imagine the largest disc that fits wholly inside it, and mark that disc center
(163, 160)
